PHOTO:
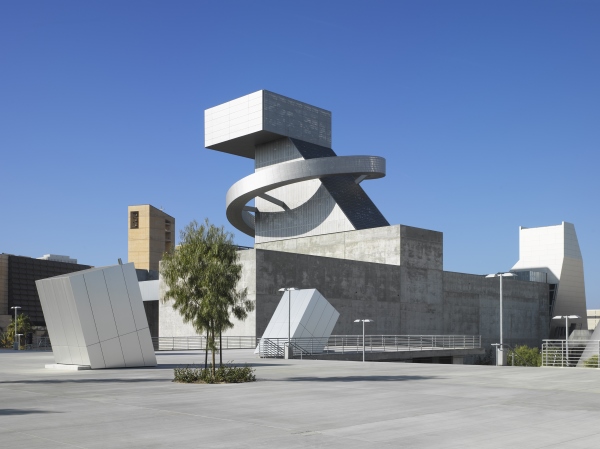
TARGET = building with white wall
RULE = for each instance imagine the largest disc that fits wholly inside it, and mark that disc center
(555, 251)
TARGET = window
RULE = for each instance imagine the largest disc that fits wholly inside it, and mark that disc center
(134, 220)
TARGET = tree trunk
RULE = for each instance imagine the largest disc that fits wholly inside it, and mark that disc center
(213, 352)
(206, 351)
(220, 349)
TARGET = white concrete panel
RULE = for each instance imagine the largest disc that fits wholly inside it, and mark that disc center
(84, 310)
(320, 327)
(135, 296)
(46, 294)
(75, 320)
(75, 355)
(81, 305)
(332, 321)
(113, 355)
(62, 354)
(146, 346)
(311, 322)
(149, 290)
(101, 307)
(315, 316)
(311, 300)
(119, 299)
(302, 332)
(96, 358)
(132, 353)
(60, 338)
(85, 357)
(65, 313)
(278, 330)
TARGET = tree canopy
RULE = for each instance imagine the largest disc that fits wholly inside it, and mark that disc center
(201, 276)
(23, 327)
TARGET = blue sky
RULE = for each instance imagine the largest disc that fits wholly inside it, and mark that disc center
(487, 113)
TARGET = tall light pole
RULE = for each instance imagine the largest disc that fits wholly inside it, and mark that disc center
(363, 321)
(16, 343)
(289, 290)
(500, 348)
(566, 317)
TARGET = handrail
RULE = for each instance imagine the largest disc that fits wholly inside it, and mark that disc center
(577, 353)
(274, 347)
(198, 342)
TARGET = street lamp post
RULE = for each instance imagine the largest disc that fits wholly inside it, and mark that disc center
(566, 317)
(500, 348)
(363, 322)
(16, 343)
(289, 346)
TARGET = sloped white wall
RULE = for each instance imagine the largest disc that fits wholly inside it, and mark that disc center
(96, 317)
(555, 250)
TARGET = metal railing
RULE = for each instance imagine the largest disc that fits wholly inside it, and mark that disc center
(199, 342)
(35, 344)
(577, 353)
(275, 347)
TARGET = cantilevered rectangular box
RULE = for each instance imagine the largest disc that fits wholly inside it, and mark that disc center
(309, 321)
(96, 318)
(236, 127)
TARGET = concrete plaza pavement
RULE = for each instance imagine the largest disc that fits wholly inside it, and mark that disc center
(297, 404)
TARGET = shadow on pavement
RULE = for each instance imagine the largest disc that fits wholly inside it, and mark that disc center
(357, 379)
(201, 365)
(83, 381)
(14, 411)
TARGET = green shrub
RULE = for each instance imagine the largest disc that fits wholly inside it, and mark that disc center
(592, 362)
(7, 339)
(524, 356)
(224, 374)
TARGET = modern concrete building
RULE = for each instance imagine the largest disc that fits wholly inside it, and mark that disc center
(554, 250)
(17, 284)
(593, 317)
(311, 191)
(58, 258)
(315, 227)
(151, 234)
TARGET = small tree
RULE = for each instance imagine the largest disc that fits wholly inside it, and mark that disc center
(525, 356)
(201, 276)
(23, 327)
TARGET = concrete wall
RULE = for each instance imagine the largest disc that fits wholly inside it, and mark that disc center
(471, 305)
(392, 245)
(406, 300)
(412, 295)
(355, 289)
(170, 322)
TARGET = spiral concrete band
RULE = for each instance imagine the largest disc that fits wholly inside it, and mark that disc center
(279, 175)
(300, 187)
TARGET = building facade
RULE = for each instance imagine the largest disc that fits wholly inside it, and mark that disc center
(315, 227)
(151, 233)
(17, 285)
(554, 250)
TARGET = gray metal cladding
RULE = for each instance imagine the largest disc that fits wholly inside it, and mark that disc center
(300, 186)
(96, 318)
